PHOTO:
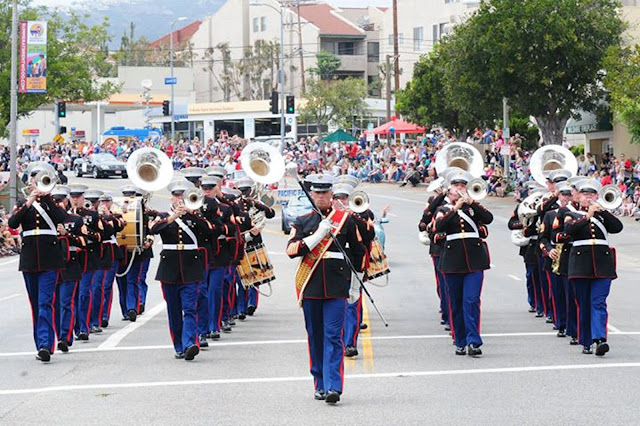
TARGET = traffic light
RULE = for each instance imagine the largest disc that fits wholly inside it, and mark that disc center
(165, 107)
(274, 102)
(63, 130)
(62, 109)
(291, 104)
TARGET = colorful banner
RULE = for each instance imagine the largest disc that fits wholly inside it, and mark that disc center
(33, 57)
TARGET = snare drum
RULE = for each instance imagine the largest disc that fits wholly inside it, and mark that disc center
(378, 262)
(132, 211)
(255, 268)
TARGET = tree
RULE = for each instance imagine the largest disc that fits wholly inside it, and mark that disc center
(334, 102)
(326, 65)
(623, 83)
(545, 56)
(73, 57)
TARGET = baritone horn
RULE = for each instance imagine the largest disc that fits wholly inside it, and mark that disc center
(193, 198)
(149, 169)
(262, 162)
(46, 180)
(610, 197)
(477, 189)
(359, 202)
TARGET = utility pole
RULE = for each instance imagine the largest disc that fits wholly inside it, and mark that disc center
(56, 116)
(300, 51)
(387, 71)
(505, 135)
(395, 46)
(13, 128)
(281, 79)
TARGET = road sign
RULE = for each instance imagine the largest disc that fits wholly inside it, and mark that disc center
(170, 80)
(58, 139)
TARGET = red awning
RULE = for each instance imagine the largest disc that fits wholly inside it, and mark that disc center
(399, 126)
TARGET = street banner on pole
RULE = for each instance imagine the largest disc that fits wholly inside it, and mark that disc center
(33, 57)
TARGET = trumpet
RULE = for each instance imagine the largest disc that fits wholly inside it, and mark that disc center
(87, 205)
(359, 202)
(193, 199)
(610, 197)
(477, 189)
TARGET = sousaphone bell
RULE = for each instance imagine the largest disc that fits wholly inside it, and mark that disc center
(149, 169)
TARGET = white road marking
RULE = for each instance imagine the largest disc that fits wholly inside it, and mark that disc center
(8, 262)
(117, 337)
(113, 348)
(613, 329)
(137, 385)
(515, 278)
(13, 296)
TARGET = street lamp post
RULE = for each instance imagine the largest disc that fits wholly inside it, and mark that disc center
(173, 127)
(281, 69)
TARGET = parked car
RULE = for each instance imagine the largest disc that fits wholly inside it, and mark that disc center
(297, 206)
(100, 165)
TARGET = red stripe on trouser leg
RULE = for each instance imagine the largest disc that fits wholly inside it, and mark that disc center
(53, 321)
(553, 299)
(73, 312)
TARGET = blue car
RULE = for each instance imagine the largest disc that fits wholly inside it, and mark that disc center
(297, 206)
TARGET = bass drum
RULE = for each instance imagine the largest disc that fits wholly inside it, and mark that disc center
(255, 268)
(132, 211)
(378, 262)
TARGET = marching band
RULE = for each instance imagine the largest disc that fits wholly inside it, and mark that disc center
(213, 261)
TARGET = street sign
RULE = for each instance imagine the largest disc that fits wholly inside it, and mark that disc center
(170, 80)
(58, 139)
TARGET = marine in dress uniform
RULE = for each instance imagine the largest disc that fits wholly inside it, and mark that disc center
(231, 279)
(253, 236)
(464, 258)
(73, 242)
(94, 228)
(146, 255)
(40, 258)
(322, 283)
(550, 253)
(592, 264)
(97, 282)
(181, 269)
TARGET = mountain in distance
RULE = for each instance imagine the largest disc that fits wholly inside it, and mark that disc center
(152, 18)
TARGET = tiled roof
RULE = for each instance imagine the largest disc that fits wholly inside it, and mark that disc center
(180, 36)
(323, 16)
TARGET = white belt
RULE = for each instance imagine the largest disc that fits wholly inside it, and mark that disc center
(112, 240)
(180, 247)
(333, 255)
(35, 232)
(72, 248)
(462, 236)
(222, 237)
(592, 242)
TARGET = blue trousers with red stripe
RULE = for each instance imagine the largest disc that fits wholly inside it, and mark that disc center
(97, 301)
(144, 288)
(83, 302)
(229, 294)
(133, 287)
(181, 310)
(216, 279)
(558, 300)
(545, 288)
(109, 276)
(441, 289)
(41, 289)
(324, 321)
(241, 298)
(572, 308)
(65, 309)
(203, 306)
(464, 307)
(591, 295)
(254, 297)
(533, 279)
(352, 322)
(531, 292)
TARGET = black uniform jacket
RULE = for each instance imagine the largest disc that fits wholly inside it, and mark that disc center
(515, 224)
(546, 241)
(75, 245)
(427, 223)
(232, 246)
(181, 266)
(215, 243)
(109, 249)
(331, 278)
(364, 222)
(593, 260)
(269, 213)
(95, 229)
(39, 252)
(464, 255)
(559, 236)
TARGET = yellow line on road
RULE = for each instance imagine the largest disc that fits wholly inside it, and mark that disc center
(367, 344)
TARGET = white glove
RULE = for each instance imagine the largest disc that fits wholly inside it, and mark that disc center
(248, 237)
(324, 227)
(354, 291)
(314, 239)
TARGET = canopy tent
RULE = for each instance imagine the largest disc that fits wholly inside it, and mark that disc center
(398, 126)
(339, 136)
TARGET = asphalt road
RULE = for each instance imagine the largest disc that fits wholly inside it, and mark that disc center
(405, 374)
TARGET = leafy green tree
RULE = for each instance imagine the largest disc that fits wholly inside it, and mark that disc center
(545, 56)
(74, 57)
(334, 102)
(623, 83)
(326, 65)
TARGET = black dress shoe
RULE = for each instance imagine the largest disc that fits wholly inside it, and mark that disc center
(203, 342)
(332, 397)
(350, 351)
(363, 326)
(549, 320)
(96, 329)
(105, 323)
(242, 317)
(63, 346)
(44, 355)
(231, 322)
(141, 310)
(251, 310)
(555, 327)
(602, 348)
(191, 353)
(442, 322)
(132, 314)
(319, 395)
(447, 327)
(587, 350)
(179, 355)
(226, 328)
(461, 351)
(83, 336)
(539, 315)
(214, 335)
(474, 350)
(574, 341)
(532, 309)
(561, 333)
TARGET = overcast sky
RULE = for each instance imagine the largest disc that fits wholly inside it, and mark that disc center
(344, 3)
